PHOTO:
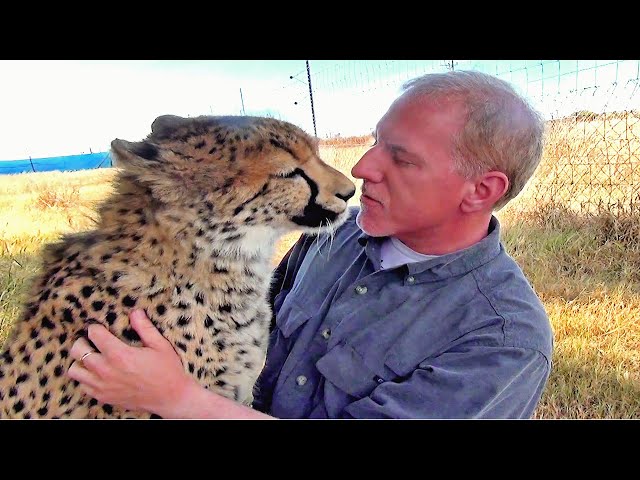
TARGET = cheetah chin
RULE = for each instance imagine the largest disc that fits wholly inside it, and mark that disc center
(188, 235)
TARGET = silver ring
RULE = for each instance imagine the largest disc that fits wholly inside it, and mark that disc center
(87, 354)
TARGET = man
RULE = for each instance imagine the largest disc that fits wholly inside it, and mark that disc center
(412, 309)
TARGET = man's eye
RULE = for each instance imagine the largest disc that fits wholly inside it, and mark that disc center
(401, 162)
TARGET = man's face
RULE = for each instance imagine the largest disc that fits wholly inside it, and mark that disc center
(409, 185)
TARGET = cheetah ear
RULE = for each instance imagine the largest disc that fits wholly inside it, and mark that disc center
(164, 125)
(145, 164)
(134, 154)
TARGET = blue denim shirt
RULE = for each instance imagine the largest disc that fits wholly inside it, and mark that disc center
(462, 335)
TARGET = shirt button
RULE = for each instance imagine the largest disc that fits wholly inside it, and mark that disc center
(361, 289)
(301, 380)
(326, 333)
(411, 279)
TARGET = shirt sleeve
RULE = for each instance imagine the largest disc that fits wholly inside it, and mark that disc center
(469, 382)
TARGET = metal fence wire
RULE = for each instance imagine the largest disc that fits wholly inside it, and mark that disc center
(592, 109)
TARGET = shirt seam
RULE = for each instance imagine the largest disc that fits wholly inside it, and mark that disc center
(505, 320)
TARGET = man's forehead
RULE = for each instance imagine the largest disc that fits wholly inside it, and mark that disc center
(425, 109)
(423, 112)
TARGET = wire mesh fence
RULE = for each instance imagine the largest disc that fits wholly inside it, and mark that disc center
(591, 107)
(591, 164)
(591, 160)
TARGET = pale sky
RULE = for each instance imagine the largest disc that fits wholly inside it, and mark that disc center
(67, 107)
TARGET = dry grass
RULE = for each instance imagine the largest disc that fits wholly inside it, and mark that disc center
(587, 273)
(580, 251)
(591, 166)
(64, 199)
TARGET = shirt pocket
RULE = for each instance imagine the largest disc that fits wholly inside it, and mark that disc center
(345, 368)
(290, 316)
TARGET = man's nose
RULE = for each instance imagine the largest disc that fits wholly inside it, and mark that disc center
(366, 168)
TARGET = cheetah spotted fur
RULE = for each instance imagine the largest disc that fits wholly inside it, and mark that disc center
(188, 235)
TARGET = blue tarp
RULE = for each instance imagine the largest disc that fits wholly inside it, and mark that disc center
(86, 161)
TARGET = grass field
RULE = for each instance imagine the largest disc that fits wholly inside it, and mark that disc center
(584, 264)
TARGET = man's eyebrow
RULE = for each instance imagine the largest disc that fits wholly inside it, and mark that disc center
(395, 149)
(399, 148)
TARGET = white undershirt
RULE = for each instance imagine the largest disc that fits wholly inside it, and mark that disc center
(393, 253)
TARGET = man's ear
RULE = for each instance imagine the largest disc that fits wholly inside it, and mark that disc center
(484, 192)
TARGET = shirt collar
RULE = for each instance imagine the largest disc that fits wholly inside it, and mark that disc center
(447, 265)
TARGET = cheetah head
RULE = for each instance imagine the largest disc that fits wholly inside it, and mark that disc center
(246, 170)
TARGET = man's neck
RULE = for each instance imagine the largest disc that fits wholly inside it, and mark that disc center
(448, 238)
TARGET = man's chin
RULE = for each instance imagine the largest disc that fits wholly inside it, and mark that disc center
(367, 224)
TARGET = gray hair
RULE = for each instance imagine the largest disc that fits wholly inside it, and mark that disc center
(502, 132)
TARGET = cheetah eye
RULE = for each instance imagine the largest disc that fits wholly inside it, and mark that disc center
(291, 174)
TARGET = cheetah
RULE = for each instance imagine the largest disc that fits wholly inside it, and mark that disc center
(189, 235)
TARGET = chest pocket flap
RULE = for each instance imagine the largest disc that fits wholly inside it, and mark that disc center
(290, 315)
(347, 370)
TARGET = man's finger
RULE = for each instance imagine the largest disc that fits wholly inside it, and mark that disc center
(109, 345)
(147, 331)
(79, 373)
(87, 357)
(79, 348)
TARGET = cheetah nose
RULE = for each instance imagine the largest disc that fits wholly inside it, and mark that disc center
(347, 196)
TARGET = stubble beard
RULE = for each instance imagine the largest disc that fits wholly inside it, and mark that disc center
(360, 224)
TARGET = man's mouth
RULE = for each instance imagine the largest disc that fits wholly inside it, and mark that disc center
(367, 196)
(368, 199)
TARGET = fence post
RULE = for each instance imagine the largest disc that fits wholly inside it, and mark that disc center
(313, 114)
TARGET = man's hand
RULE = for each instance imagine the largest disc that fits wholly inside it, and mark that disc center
(149, 378)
